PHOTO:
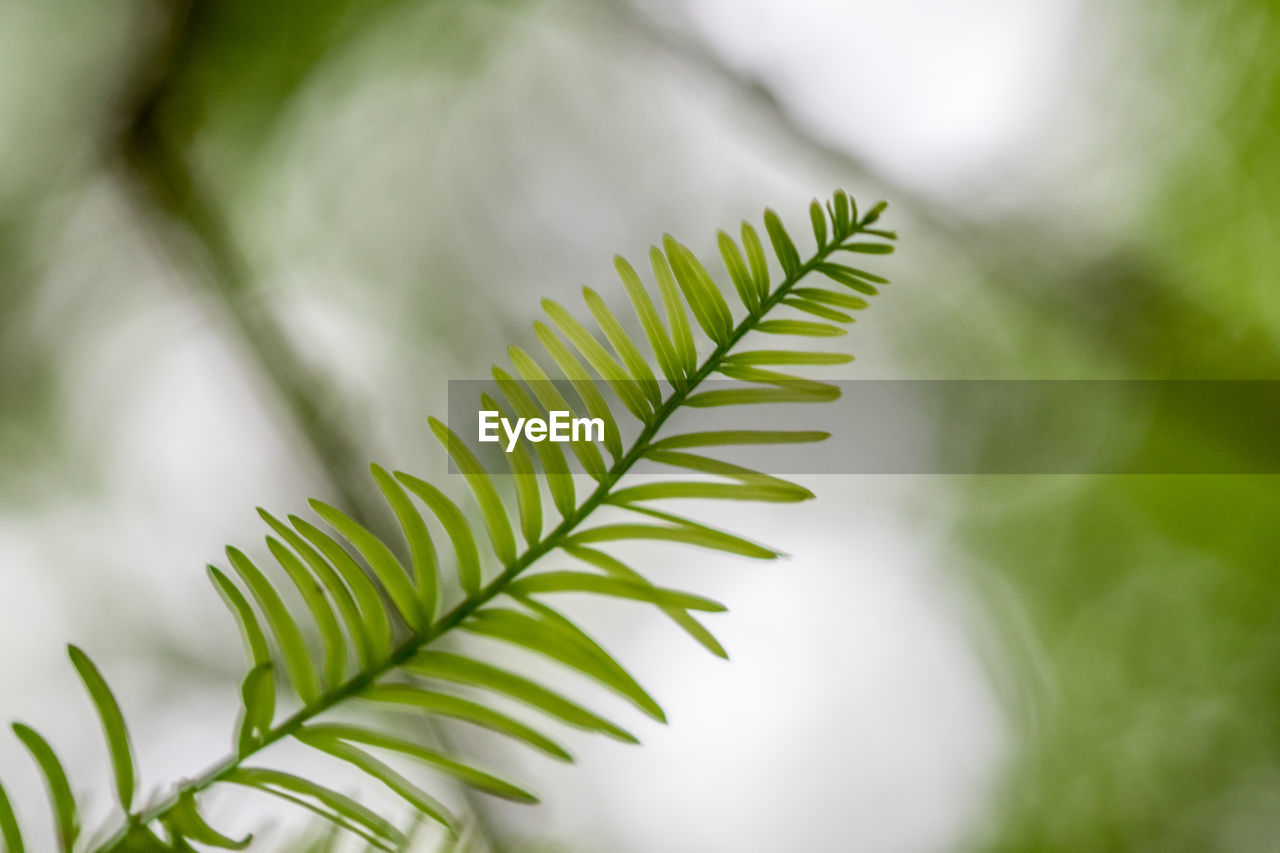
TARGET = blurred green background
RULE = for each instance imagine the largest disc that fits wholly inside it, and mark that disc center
(243, 246)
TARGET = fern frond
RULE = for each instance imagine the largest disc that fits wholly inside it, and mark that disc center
(378, 618)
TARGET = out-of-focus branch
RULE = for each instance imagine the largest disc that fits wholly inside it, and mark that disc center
(682, 45)
(192, 227)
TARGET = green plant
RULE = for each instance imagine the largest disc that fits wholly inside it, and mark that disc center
(388, 611)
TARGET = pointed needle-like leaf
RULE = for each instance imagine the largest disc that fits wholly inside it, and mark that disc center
(647, 314)
(802, 328)
(335, 645)
(297, 660)
(598, 357)
(373, 618)
(778, 357)
(580, 380)
(566, 644)
(677, 319)
(113, 725)
(555, 469)
(738, 272)
(524, 478)
(458, 708)
(455, 524)
(548, 582)
(66, 817)
(708, 305)
(756, 258)
(783, 247)
(618, 338)
(719, 438)
(354, 816)
(10, 832)
(422, 551)
(617, 568)
(415, 796)
(258, 707)
(254, 638)
(185, 817)
(461, 670)
(495, 514)
(393, 576)
(465, 773)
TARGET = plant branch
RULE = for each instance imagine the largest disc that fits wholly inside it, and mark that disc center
(548, 543)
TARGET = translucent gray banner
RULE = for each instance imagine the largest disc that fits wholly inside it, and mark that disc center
(903, 426)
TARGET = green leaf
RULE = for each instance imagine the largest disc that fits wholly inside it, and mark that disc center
(10, 832)
(703, 537)
(819, 220)
(826, 297)
(599, 359)
(555, 468)
(709, 307)
(843, 213)
(254, 638)
(738, 273)
(393, 576)
(296, 658)
(727, 541)
(422, 551)
(681, 333)
(548, 582)
(800, 327)
(618, 569)
(852, 273)
(464, 709)
(647, 314)
(55, 779)
(709, 491)
(336, 807)
(716, 438)
(782, 245)
(461, 670)
(495, 514)
(874, 213)
(817, 310)
(756, 258)
(335, 645)
(636, 366)
(850, 278)
(187, 820)
(113, 726)
(464, 773)
(412, 794)
(773, 357)
(258, 708)
(583, 385)
(524, 477)
(707, 465)
(747, 373)
(559, 640)
(376, 622)
(796, 393)
(876, 232)
(332, 583)
(455, 524)
(869, 248)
